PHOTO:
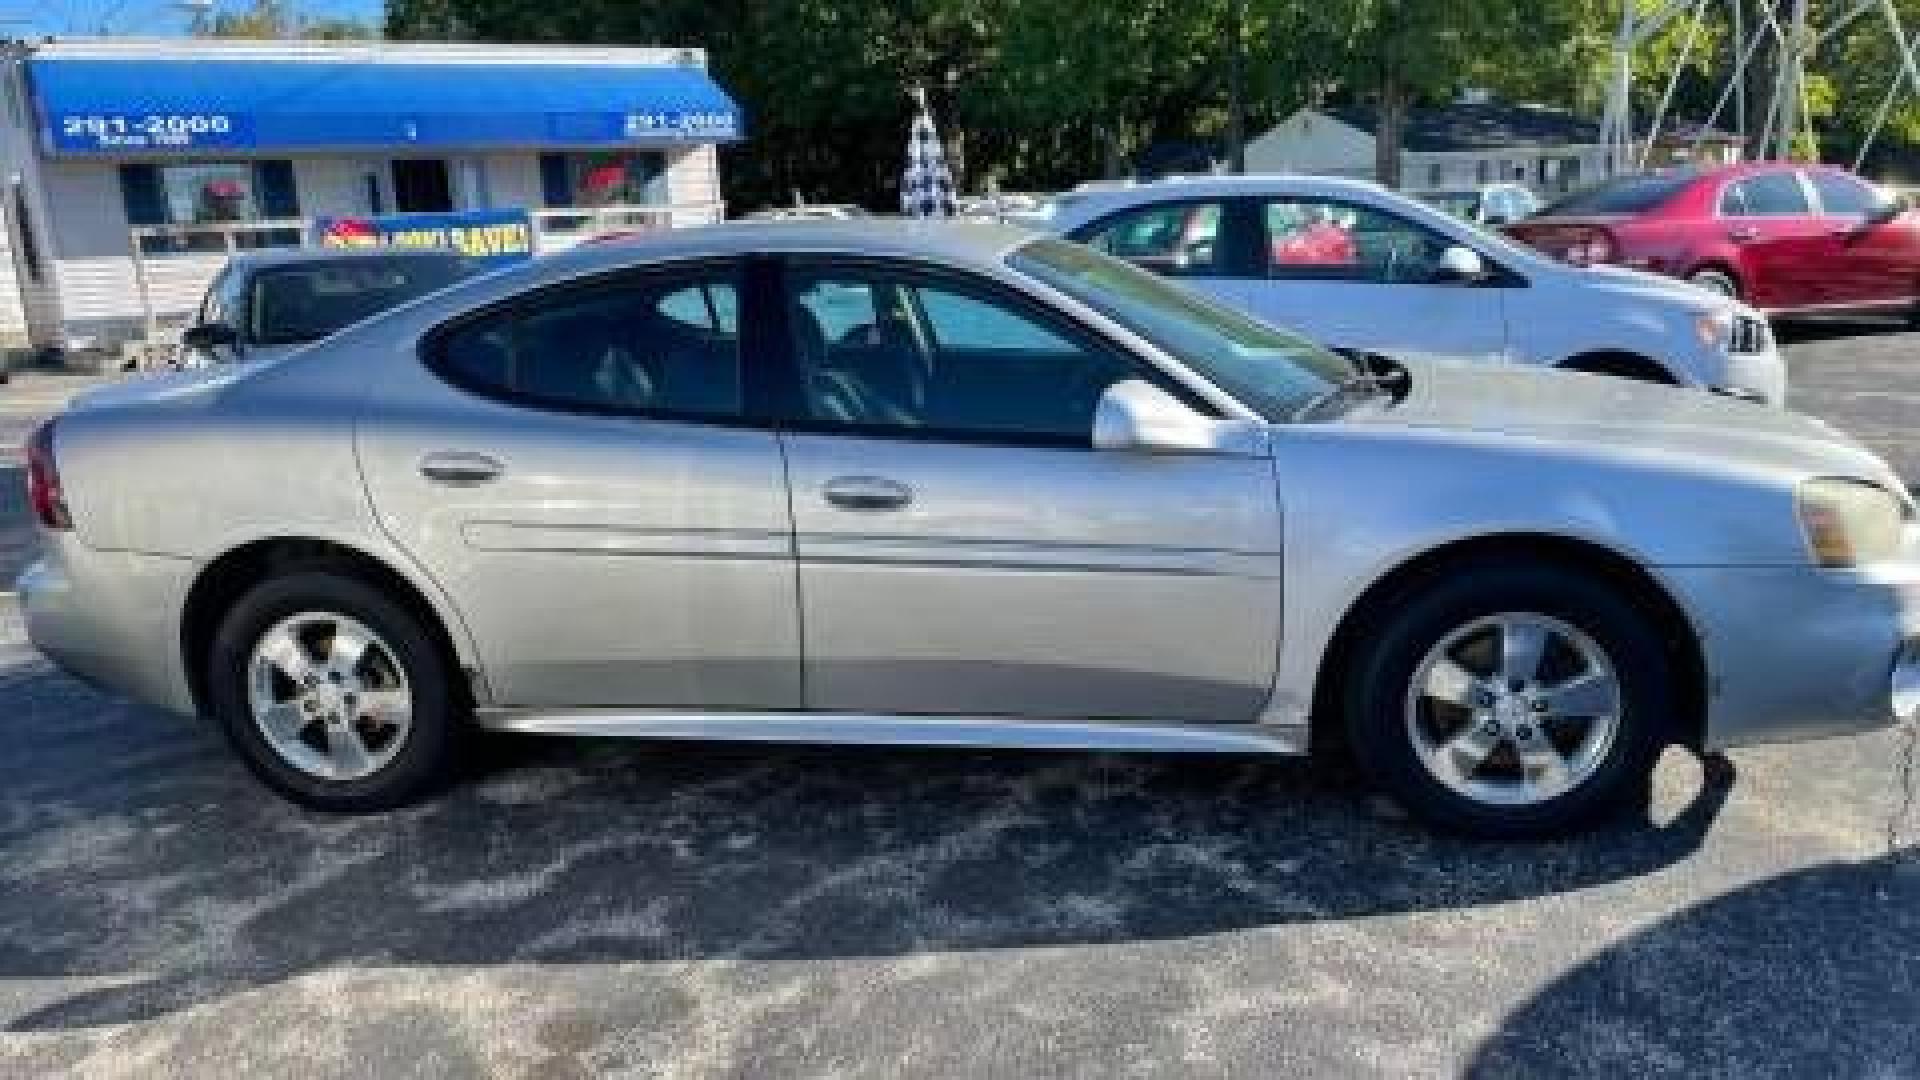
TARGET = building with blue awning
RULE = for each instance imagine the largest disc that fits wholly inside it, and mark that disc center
(133, 168)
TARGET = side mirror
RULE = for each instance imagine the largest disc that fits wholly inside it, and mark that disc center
(1459, 266)
(1887, 212)
(208, 336)
(1138, 416)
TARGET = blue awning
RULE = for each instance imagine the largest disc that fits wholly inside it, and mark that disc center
(147, 105)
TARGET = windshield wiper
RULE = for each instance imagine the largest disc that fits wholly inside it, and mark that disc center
(1374, 375)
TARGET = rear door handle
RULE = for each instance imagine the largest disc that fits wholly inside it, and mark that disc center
(867, 493)
(1743, 236)
(460, 469)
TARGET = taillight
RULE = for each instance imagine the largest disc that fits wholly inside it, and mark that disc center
(44, 493)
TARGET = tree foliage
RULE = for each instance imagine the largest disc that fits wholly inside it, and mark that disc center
(1043, 93)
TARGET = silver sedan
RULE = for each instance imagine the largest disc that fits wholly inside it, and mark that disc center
(959, 485)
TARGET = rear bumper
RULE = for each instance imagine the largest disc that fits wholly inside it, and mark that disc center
(111, 618)
(1801, 653)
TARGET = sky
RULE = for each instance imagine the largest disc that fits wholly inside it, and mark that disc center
(144, 18)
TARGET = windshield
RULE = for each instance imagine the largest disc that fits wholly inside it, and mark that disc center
(1272, 372)
(303, 302)
(1626, 195)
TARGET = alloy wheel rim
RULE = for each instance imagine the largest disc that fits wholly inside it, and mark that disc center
(1514, 709)
(329, 696)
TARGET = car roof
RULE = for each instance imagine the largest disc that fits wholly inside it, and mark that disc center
(1246, 183)
(271, 257)
(968, 243)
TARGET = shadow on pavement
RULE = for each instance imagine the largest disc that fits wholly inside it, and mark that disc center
(1812, 329)
(1827, 971)
(142, 857)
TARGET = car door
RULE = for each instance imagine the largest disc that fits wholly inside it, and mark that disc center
(1874, 263)
(1203, 242)
(1356, 276)
(964, 550)
(587, 479)
(1788, 254)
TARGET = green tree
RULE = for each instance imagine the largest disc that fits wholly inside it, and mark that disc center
(280, 19)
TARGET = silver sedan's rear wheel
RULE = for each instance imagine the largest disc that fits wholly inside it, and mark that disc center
(334, 694)
(329, 696)
(1511, 700)
(1513, 709)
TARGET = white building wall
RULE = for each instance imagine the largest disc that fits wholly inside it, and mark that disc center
(13, 310)
(513, 181)
(39, 300)
(693, 179)
(91, 252)
(331, 185)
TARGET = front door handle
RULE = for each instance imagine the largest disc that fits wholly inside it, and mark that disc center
(460, 469)
(1743, 235)
(867, 493)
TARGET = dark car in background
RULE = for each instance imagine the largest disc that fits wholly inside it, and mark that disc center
(1787, 238)
(267, 303)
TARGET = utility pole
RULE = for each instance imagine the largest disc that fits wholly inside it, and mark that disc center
(1236, 86)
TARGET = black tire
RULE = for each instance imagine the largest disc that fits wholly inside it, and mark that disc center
(427, 756)
(1717, 280)
(1422, 616)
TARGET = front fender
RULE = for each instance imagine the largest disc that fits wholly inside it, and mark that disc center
(1342, 535)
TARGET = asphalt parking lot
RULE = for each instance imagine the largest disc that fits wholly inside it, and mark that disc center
(680, 910)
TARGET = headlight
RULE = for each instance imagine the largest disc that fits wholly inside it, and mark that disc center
(1714, 328)
(1850, 522)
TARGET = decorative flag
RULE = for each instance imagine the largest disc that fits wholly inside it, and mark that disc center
(926, 188)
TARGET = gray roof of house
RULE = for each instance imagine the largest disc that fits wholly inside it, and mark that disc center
(1478, 127)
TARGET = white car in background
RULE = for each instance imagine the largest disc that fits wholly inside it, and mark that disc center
(1363, 269)
(1489, 204)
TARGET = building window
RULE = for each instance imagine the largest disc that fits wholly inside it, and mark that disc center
(617, 178)
(1483, 172)
(1436, 175)
(1569, 173)
(208, 201)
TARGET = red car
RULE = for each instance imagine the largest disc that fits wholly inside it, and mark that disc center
(1786, 238)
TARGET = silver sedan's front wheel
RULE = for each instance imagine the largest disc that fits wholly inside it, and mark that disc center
(1514, 708)
(329, 696)
(335, 691)
(1512, 700)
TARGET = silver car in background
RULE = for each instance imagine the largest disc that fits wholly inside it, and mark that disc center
(1357, 267)
(959, 485)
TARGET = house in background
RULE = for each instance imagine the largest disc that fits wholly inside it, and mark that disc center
(130, 170)
(1471, 142)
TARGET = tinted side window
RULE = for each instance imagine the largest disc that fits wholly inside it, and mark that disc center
(612, 347)
(1843, 194)
(1178, 239)
(1766, 195)
(709, 307)
(944, 360)
(1314, 239)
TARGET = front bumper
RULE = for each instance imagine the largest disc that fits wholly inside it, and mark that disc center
(1756, 376)
(112, 618)
(1798, 652)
